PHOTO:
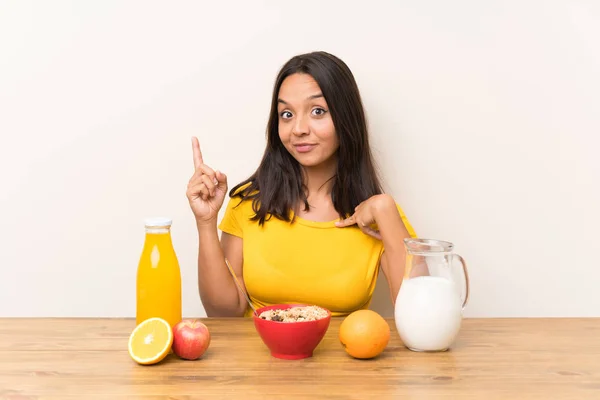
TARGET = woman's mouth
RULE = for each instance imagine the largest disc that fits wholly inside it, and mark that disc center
(304, 147)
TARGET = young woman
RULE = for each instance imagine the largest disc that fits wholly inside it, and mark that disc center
(311, 225)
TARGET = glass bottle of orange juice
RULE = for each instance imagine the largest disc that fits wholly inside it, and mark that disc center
(158, 275)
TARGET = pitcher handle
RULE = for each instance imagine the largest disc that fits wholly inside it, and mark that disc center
(464, 265)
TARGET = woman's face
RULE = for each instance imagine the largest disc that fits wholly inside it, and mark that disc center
(305, 125)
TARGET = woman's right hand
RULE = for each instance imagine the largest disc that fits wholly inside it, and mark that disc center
(206, 189)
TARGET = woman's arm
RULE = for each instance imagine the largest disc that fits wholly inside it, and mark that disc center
(206, 192)
(218, 292)
(382, 211)
(393, 232)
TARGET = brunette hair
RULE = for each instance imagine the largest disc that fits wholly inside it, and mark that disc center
(276, 187)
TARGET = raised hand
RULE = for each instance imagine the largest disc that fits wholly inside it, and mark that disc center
(206, 189)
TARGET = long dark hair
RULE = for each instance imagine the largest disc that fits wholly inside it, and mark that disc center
(277, 187)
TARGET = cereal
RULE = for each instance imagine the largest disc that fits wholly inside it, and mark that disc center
(295, 314)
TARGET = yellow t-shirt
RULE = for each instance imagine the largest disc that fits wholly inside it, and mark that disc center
(305, 261)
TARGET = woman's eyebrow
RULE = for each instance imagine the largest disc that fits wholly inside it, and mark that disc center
(314, 96)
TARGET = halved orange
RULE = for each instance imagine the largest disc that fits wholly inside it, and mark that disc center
(150, 341)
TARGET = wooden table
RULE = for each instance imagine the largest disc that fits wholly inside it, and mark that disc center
(492, 358)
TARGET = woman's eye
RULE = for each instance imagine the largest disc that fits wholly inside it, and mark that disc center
(319, 111)
(285, 114)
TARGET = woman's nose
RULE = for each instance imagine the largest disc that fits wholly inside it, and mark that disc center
(300, 126)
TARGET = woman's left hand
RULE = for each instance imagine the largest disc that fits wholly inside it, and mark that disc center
(368, 212)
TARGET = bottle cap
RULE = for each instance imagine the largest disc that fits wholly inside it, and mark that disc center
(158, 222)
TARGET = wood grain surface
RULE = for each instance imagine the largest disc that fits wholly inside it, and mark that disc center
(491, 359)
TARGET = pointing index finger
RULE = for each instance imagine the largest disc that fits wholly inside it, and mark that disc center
(346, 222)
(197, 153)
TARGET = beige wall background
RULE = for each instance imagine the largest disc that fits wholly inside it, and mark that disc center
(485, 118)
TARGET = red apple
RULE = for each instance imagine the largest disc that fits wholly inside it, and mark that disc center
(190, 339)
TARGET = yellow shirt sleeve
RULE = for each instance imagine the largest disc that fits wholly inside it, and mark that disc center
(232, 221)
(409, 228)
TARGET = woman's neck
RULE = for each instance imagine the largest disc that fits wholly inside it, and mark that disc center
(319, 184)
(318, 181)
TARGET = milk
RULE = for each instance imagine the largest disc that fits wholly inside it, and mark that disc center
(428, 313)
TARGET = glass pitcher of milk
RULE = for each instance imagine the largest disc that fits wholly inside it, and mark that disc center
(432, 297)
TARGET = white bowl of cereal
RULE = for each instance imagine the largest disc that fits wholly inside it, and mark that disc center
(292, 331)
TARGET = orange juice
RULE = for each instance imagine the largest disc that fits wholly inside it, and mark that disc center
(158, 275)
